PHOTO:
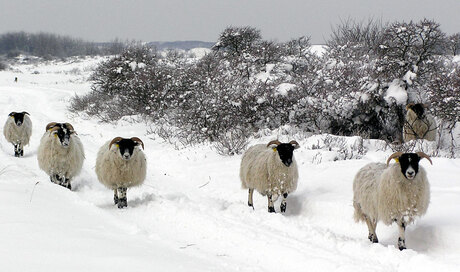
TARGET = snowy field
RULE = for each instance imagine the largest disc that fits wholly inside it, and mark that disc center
(191, 214)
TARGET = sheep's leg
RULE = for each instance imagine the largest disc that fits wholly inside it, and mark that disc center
(16, 150)
(122, 200)
(402, 234)
(55, 179)
(283, 203)
(271, 207)
(250, 202)
(115, 196)
(372, 225)
(20, 150)
(65, 182)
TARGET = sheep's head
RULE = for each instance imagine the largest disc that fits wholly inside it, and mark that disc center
(285, 150)
(126, 147)
(408, 162)
(18, 117)
(61, 131)
(418, 109)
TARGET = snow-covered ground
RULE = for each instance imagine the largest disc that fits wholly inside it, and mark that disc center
(191, 214)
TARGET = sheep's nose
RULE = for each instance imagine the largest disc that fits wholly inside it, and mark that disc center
(410, 173)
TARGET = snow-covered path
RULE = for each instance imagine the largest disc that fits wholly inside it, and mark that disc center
(191, 215)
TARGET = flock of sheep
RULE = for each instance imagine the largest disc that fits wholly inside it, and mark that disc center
(381, 192)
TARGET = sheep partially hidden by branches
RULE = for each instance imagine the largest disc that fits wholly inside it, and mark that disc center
(60, 153)
(418, 124)
(17, 130)
(396, 193)
(270, 169)
(121, 164)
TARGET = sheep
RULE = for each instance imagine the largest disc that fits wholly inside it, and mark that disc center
(395, 193)
(17, 130)
(270, 169)
(61, 153)
(418, 124)
(121, 164)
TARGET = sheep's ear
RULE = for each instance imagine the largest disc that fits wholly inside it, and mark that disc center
(25, 112)
(273, 144)
(410, 105)
(395, 156)
(294, 144)
(12, 114)
(115, 141)
(423, 155)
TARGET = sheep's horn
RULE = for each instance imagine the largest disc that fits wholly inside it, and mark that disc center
(295, 144)
(69, 126)
(423, 155)
(394, 155)
(137, 140)
(408, 106)
(25, 112)
(274, 142)
(116, 139)
(50, 125)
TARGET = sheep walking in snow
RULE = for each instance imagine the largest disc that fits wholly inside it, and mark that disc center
(395, 193)
(121, 164)
(60, 153)
(419, 124)
(17, 130)
(271, 170)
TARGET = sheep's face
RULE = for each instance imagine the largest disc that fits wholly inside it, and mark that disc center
(18, 117)
(126, 147)
(63, 133)
(286, 152)
(409, 165)
(418, 109)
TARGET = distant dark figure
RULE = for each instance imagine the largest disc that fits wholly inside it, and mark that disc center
(16, 79)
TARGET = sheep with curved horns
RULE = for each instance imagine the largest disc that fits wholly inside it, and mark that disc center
(17, 130)
(271, 170)
(60, 153)
(121, 164)
(418, 124)
(391, 193)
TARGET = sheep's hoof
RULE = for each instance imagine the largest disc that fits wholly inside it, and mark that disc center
(373, 238)
(283, 207)
(250, 205)
(271, 209)
(401, 244)
(122, 202)
(21, 153)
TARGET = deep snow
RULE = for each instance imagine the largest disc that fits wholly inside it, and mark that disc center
(191, 214)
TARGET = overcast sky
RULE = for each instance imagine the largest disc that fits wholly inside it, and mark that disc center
(172, 20)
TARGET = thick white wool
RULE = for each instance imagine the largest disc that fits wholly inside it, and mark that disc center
(114, 172)
(15, 134)
(55, 159)
(262, 169)
(384, 194)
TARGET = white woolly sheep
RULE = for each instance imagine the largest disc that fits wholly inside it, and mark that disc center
(395, 193)
(121, 164)
(60, 153)
(17, 130)
(418, 123)
(270, 169)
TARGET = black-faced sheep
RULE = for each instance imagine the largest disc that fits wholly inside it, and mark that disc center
(17, 130)
(418, 124)
(271, 170)
(396, 193)
(121, 164)
(60, 153)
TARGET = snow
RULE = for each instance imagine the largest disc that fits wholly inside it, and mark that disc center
(396, 91)
(191, 213)
(284, 88)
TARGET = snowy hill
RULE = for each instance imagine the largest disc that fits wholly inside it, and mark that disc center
(191, 214)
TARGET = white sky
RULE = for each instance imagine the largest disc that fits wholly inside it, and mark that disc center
(171, 20)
